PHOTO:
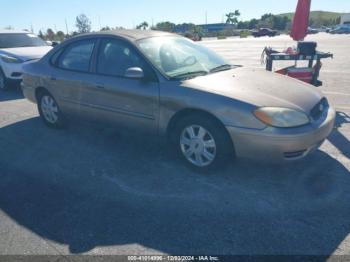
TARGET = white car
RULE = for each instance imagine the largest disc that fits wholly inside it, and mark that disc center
(16, 48)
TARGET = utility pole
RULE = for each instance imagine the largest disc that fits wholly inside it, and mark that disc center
(206, 17)
(65, 20)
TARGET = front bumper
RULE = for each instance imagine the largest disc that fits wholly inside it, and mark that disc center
(282, 143)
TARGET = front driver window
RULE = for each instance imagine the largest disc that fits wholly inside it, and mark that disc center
(115, 57)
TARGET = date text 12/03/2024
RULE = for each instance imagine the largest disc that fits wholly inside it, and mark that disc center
(173, 258)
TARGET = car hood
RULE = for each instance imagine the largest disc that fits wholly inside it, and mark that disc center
(259, 88)
(27, 53)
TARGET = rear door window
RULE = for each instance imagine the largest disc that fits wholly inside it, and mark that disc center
(77, 56)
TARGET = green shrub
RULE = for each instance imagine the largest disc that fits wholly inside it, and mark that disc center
(244, 34)
(220, 37)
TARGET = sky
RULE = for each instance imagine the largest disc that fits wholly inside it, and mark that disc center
(40, 14)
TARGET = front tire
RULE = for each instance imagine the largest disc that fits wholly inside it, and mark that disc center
(203, 143)
(49, 110)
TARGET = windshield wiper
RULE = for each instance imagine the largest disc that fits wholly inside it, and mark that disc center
(190, 74)
(221, 68)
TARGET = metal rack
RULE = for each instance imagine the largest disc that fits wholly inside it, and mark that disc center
(270, 58)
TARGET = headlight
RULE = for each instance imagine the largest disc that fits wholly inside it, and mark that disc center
(281, 117)
(10, 59)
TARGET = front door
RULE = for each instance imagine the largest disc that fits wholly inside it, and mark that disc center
(116, 98)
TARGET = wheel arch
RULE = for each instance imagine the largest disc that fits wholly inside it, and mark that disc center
(39, 90)
(190, 112)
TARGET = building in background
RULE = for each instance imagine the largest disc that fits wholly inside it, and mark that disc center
(206, 28)
(345, 19)
(213, 28)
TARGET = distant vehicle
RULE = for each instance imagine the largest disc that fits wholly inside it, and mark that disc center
(324, 29)
(194, 37)
(17, 47)
(167, 85)
(53, 43)
(342, 29)
(264, 32)
(312, 31)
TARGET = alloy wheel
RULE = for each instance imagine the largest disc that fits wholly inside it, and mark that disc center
(49, 109)
(198, 145)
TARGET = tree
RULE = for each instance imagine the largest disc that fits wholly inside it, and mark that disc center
(165, 26)
(280, 22)
(41, 35)
(243, 25)
(106, 28)
(60, 36)
(232, 17)
(253, 23)
(83, 24)
(266, 16)
(143, 26)
(274, 21)
(50, 34)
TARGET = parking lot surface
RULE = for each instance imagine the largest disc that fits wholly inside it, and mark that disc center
(93, 190)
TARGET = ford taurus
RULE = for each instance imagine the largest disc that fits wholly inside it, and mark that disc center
(167, 85)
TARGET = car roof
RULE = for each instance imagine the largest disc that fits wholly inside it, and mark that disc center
(5, 31)
(131, 35)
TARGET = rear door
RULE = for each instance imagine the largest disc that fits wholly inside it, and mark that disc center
(72, 67)
(116, 98)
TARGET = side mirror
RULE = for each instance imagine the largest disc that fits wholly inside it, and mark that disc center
(134, 73)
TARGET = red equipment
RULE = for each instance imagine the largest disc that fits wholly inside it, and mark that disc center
(301, 20)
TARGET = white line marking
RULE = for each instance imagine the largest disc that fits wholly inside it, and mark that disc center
(342, 107)
(335, 93)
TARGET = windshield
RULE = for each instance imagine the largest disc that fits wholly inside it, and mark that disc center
(178, 57)
(20, 40)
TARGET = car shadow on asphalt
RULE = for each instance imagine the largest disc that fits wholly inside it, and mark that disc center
(13, 93)
(94, 187)
(337, 138)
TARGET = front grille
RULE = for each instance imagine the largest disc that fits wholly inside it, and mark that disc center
(319, 109)
(16, 74)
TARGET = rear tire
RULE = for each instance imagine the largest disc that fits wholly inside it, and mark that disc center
(202, 143)
(3, 81)
(49, 110)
